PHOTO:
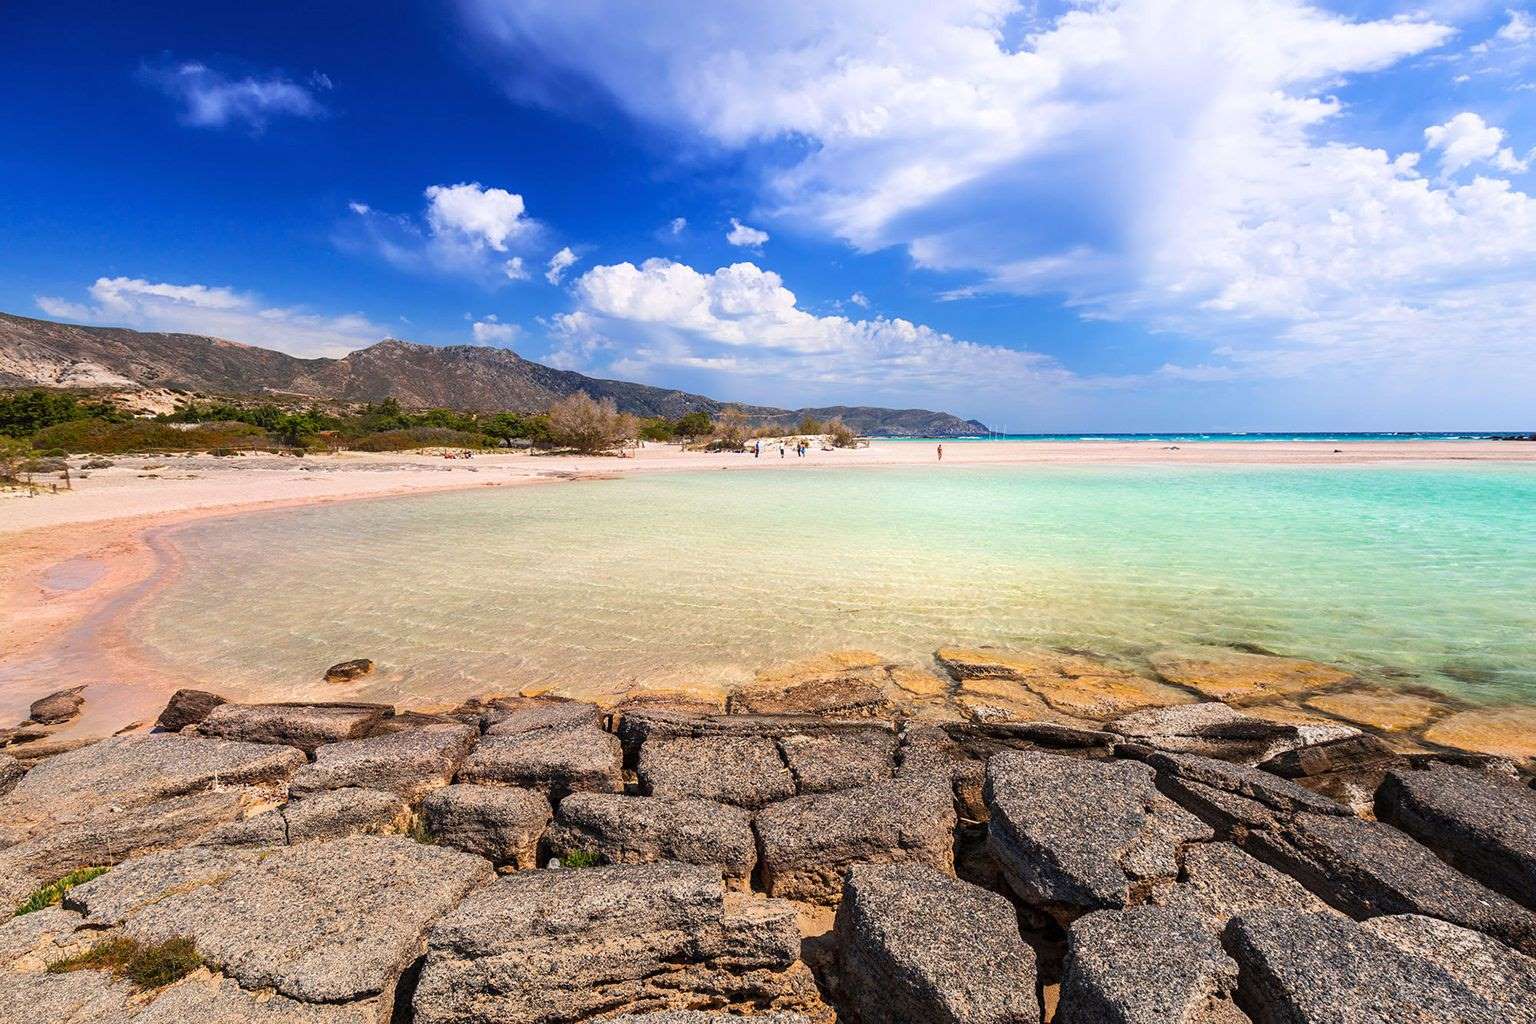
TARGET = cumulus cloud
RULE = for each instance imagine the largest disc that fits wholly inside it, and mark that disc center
(1521, 28)
(859, 299)
(218, 311)
(491, 331)
(741, 234)
(678, 225)
(212, 99)
(466, 230)
(740, 322)
(1467, 139)
(1185, 164)
(559, 263)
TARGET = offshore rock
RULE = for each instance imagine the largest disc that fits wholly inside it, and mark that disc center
(1483, 824)
(1146, 965)
(554, 761)
(348, 671)
(410, 764)
(321, 922)
(918, 945)
(806, 845)
(1073, 835)
(557, 947)
(59, 707)
(499, 823)
(743, 770)
(1326, 969)
(642, 830)
(305, 726)
(187, 707)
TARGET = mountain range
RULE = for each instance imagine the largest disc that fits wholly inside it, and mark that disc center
(48, 354)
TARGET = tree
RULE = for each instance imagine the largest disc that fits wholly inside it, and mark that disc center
(589, 426)
(694, 424)
(809, 425)
(13, 455)
(658, 429)
(731, 428)
(839, 433)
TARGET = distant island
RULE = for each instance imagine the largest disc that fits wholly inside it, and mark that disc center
(43, 353)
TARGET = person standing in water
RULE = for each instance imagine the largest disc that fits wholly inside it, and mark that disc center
(941, 453)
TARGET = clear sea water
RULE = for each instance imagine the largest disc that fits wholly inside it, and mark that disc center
(1177, 437)
(1408, 575)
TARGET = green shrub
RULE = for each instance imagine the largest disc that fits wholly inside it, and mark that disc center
(580, 859)
(50, 895)
(105, 437)
(417, 437)
(152, 966)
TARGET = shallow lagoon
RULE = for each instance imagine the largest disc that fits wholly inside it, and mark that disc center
(1413, 575)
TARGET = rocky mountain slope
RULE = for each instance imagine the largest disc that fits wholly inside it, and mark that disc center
(41, 352)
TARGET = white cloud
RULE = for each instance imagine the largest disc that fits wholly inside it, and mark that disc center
(859, 299)
(491, 332)
(559, 263)
(1521, 28)
(1467, 139)
(740, 234)
(740, 321)
(1186, 164)
(212, 99)
(466, 230)
(678, 225)
(217, 311)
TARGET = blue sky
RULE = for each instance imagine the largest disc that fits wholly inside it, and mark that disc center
(1146, 214)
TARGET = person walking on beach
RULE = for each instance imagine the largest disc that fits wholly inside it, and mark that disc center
(941, 453)
(781, 449)
(757, 449)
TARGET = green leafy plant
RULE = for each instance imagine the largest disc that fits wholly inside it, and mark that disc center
(580, 859)
(51, 894)
(147, 966)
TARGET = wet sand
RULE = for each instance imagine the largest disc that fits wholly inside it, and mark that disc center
(73, 564)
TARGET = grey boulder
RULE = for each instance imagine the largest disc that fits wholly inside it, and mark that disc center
(918, 945)
(1219, 881)
(500, 823)
(305, 726)
(639, 830)
(329, 814)
(821, 764)
(556, 761)
(1215, 730)
(743, 770)
(410, 763)
(543, 715)
(58, 707)
(1146, 965)
(187, 707)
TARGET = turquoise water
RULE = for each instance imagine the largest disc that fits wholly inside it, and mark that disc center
(1412, 575)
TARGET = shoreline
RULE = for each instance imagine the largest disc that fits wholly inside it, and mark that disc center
(75, 565)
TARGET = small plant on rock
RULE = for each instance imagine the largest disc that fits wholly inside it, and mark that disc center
(580, 859)
(146, 966)
(51, 894)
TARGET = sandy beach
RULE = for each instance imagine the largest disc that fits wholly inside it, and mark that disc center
(73, 563)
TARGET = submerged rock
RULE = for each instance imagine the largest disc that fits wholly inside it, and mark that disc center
(59, 707)
(1483, 824)
(1236, 677)
(1503, 731)
(1387, 710)
(347, 671)
(500, 823)
(305, 726)
(1067, 683)
(918, 945)
(557, 947)
(641, 830)
(806, 845)
(1146, 965)
(1073, 835)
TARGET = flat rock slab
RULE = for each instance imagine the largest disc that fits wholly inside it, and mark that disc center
(328, 814)
(1191, 778)
(806, 845)
(918, 945)
(187, 707)
(305, 726)
(822, 764)
(1490, 969)
(500, 823)
(1503, 732)
(1219, 882)
(215, 1000)
(1073, 835)
(410, 763)
(555, 761)
(641, 830)
(59, 707)
(320, 922)
(1146, 965)
(1236, 677)
(1068, 683)
(110, 899)
(1483, 824)
(1213, 729)
(551, 947)
(636, 727)
(747, 771)
(544, 715)
(849, 695)
(1366, 868)
(1387, 710)
(1326, 969)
